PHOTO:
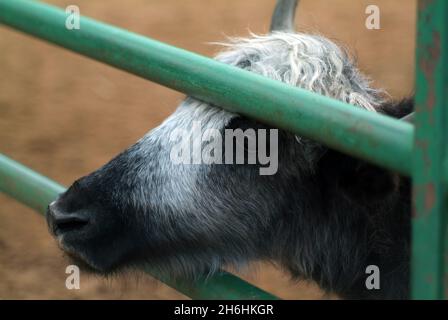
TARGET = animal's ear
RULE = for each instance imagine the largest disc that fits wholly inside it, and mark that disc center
(398, 109)
(358, 180)
(366, 182)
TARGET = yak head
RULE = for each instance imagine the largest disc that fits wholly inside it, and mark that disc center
(209, 188)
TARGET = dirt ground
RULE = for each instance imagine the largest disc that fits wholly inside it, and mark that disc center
(65, 115)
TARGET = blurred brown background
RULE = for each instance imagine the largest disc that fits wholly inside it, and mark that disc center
(64, 115)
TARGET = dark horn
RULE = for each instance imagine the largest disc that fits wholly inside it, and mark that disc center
(409, 118)
(284, 14)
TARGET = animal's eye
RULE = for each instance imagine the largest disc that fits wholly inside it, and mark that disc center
(244, 64)
(248, 61)
(249, 134)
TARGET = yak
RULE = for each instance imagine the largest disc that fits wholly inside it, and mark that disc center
(323, 216)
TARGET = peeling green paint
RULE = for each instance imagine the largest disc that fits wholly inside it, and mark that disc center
(430, 216)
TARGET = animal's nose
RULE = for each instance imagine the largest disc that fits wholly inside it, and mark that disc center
(61, 222)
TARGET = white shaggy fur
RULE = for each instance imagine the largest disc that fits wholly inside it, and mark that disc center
(307, 61)
(311, 62)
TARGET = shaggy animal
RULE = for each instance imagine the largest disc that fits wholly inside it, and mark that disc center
(323, 216)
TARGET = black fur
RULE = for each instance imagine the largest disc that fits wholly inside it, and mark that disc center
(324, 216)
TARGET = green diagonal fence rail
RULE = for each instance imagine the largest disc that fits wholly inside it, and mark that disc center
(37, 191)
(355, 131)
(376, 138)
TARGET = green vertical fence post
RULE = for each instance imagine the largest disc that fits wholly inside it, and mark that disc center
(430, 213)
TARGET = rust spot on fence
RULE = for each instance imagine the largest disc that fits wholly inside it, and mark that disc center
(423, 146)
(423, 4)
(429, 279)
(425, 194)
(428, 66)
(430, 197)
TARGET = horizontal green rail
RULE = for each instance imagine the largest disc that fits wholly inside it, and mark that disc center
(367, 135)
(37, 191)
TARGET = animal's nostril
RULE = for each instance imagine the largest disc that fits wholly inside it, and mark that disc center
(60, 222)
(71, 223)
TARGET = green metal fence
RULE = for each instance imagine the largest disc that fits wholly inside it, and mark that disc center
(373, 137)
(430, 235)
